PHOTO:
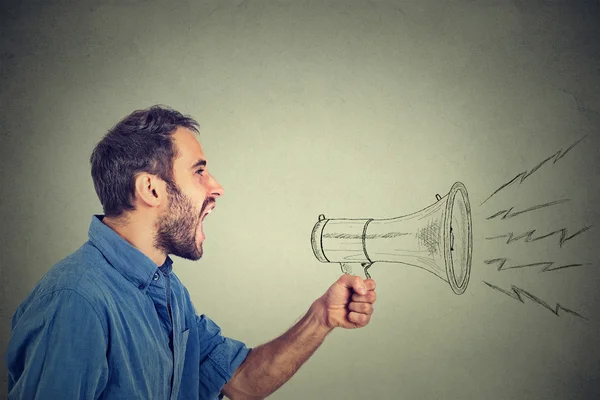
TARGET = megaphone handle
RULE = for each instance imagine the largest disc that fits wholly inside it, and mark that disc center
(346, 268)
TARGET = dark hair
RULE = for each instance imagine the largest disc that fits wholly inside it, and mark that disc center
(140, 142)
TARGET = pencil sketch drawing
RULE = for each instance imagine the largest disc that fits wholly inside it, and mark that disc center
(519, 294)
(437, 238)
(547, 265)
(526, 174)
(507, 214)
(563, 235)
(528, 236)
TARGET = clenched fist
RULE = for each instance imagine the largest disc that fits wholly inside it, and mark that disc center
(348, 303)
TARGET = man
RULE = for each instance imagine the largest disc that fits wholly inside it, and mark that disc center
(112, 320)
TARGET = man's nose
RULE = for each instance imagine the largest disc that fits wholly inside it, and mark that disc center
(216, 189)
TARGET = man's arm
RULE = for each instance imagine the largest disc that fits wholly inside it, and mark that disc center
(348, 303)
(57, 350)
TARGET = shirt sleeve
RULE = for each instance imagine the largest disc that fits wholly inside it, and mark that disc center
(57, 349)
(220, 356)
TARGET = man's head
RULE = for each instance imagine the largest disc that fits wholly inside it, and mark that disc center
(151, 164)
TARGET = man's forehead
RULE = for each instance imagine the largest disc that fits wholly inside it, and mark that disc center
(188, 146)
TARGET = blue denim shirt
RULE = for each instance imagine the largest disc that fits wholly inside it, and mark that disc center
(107, 323)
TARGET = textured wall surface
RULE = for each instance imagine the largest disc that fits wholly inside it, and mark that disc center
(355, 109)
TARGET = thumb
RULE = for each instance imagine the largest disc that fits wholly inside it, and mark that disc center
(353, 282)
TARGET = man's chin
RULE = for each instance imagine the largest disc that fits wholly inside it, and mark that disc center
(199, 250)
(199, 253)
(191, 253)
(192, 257)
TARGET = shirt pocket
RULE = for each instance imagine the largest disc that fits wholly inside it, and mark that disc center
(179, 360)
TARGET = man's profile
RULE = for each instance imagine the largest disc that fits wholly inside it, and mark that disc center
(112, 320)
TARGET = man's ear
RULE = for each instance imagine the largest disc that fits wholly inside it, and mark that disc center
(150, 190)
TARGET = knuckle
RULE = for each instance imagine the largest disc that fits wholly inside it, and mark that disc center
(362, 319)
(357, 318)
(363, 308)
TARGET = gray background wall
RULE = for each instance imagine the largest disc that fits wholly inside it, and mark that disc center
(351, 109)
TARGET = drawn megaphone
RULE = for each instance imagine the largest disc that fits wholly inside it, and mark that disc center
(437, 238)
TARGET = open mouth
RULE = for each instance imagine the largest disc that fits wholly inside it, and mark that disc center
(208, 211)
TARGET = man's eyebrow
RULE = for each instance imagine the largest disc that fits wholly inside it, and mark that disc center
(199, 163)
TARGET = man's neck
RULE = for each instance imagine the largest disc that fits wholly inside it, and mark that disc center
(139, 232)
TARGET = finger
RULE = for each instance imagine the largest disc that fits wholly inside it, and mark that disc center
(353, 282)
(370, 284)
(362, 308)
(370, 297)
(358, 318)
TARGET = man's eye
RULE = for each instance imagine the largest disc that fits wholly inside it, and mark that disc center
(200, 171)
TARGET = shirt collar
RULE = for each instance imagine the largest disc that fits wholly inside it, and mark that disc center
(134, 265)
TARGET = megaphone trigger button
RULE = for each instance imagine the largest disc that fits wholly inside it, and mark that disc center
(366, 266)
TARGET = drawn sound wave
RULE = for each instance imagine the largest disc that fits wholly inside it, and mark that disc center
(506, 214)
(519, 294)
(528, 236)
(547, 265)
(526, 174)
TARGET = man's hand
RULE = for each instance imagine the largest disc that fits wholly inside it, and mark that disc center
(348, 303)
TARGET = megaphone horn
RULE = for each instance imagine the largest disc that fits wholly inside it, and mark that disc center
(437, 238)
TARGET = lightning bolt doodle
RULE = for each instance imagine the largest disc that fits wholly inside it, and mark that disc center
(519, 294)
(529, 236)
(526, 174)
(507, 214)
(547, 265)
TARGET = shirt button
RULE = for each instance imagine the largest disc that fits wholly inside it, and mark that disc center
(155, 276)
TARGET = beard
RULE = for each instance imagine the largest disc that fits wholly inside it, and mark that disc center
(176, 228)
